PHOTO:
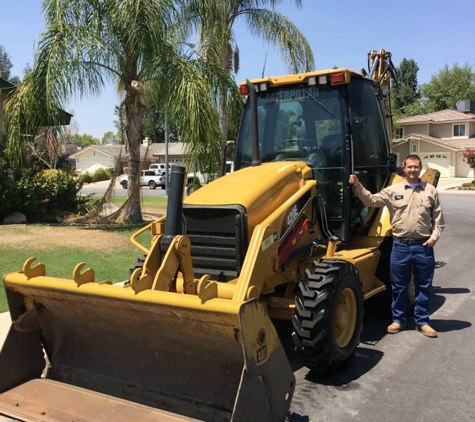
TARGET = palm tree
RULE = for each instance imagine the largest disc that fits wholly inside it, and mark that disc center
(132, 43)
(214, 21)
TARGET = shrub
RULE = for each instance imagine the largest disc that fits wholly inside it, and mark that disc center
(44, 194)
(101, 174)
(56, 188)
(469, 157)
(15, 190)
(85, 178)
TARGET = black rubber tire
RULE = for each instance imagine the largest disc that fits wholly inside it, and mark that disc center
(328, 317)
(152, 185)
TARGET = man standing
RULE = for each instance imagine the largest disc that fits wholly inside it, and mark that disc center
(417, 221)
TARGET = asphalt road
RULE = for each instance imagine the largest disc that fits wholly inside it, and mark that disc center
(100, 188)
(409, 377)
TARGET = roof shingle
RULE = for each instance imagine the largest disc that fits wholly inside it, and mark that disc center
(442, 116)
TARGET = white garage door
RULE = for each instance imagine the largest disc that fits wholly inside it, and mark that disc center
(437, 160)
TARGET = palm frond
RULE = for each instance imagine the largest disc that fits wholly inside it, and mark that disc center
(277, 29)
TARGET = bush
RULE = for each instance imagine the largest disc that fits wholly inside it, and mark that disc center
(469, 157)
(15, 190)
(56, 189)
(101, 174)
(85, 178)
(44, 194)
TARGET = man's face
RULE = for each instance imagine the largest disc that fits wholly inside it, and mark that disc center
(412, 169)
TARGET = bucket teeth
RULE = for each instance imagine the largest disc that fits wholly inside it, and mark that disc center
(36, 271)
(82, 278)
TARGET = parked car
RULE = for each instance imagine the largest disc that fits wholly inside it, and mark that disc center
(149, 178)
(159, 168)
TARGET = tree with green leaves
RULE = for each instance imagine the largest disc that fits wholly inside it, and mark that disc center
(111, 138)
(134, 44)
(5, 64)
(447, 87)
(406, 89)
(214, 22)
(85, 139)
(154, 121)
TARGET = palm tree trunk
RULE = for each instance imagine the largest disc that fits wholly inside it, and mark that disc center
(133, 211)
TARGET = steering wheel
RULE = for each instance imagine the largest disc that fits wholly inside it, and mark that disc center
(306, 145)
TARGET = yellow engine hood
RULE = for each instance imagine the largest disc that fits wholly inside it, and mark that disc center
(260, 189)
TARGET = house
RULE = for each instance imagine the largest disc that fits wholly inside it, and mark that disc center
(89, 159)
(439, 138)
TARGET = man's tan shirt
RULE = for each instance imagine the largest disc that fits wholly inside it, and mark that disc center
(415, 213)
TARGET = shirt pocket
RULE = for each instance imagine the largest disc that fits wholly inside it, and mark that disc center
(399, 207)
(400, 204)
(426, 204)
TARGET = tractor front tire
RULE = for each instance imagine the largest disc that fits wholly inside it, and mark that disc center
(328, 317)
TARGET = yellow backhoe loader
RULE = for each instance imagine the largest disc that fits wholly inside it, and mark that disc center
(190, 335)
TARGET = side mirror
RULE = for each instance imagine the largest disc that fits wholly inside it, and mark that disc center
(228, 152)
(392, 163)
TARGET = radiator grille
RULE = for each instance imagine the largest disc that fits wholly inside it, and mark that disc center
(218, 240)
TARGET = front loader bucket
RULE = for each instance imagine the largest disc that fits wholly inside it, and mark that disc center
(218, 360)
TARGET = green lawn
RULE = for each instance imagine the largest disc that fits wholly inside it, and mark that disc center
(110, 262)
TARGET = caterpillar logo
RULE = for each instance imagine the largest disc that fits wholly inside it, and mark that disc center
(292, 216)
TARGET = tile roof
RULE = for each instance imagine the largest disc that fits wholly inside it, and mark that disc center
(153, 150)
(459, 144)
(438, 117)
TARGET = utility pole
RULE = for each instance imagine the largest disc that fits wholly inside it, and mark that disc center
(166, 150)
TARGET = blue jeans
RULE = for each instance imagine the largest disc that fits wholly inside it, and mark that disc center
(408, 259)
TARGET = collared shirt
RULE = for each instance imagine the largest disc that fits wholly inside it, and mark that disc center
(415, 213)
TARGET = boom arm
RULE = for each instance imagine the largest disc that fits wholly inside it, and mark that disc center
(381, 68)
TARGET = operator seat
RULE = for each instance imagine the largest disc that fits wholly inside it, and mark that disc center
(331, 145)
(317, 159)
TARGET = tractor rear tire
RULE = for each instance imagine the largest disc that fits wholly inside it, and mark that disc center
(328, 317)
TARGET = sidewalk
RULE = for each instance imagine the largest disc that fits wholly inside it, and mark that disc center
(5, 323)
(450, 184)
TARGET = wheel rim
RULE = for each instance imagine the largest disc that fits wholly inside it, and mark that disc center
(344, 322)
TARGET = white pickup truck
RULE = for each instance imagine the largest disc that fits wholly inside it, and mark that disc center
(149, 178)
(159, 168)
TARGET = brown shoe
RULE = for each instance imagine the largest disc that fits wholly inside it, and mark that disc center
(395, 327)
(427, 330)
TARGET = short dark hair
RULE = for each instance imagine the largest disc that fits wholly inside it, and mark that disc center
(412, 157)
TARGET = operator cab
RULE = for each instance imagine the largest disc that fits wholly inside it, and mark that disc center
(333, 121)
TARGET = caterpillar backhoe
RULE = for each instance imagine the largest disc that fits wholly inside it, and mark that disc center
(191, 334)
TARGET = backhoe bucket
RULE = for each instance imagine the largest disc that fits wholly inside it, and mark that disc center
(162, 355)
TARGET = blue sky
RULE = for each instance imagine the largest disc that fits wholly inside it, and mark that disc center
(432, 32)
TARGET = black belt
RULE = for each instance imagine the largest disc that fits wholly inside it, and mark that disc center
(409, 241)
